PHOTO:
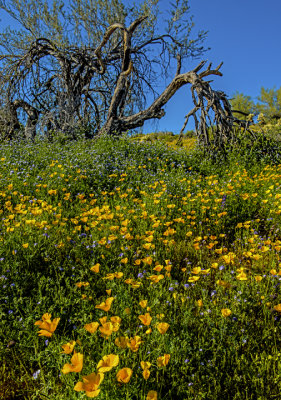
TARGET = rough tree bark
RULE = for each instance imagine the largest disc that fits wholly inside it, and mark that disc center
(76, 82)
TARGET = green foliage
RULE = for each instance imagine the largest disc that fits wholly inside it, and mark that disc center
(270, 104)
(243, 103)
(68, 206)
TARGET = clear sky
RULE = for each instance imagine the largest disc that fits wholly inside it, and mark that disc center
(245, 35)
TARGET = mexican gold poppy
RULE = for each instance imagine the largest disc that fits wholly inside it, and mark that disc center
(115, 323)
(151, 395)
(155, 278)
(163, 361)
(105, 306)
(146, 374)
(145, 364)
(242, 276)
(199, 303)
(277, 308)
(162, 327)
(226, 312)
(106, 329)
(90, 384)
(134, 343)
(92, 327)
(95, 268)
(68, 347)
(193, 279)
(108, 362)
(76, 364)
(47, 326)
(145, 319)
(121, 342)
(124, 375)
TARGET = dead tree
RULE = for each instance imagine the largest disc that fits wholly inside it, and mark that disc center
(72, 86)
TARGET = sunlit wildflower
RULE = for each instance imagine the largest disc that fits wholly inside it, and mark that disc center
(146, 374)
(196, 270)
(151, 395)
(106, 329)
(108, 362)
(80, 284)
(116, 321)
(242, 276)
(162, 327)
(145, 319)
(122, 342)
(134, 343)
(229, 258)
(47, 326)
(92, 327)
(199, 303)
(95, 268)
(277, 308)
(124, 375)
(105, 306)
(145, 364)
(143, 303)
(68, 347)
(90, 384)
(163, 361)
(155, 278)
(225, 312)
(193, 279)
(76, 364)
(224, 284)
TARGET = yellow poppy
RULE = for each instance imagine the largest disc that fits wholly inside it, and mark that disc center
(47, 326)
(163, 361)
(145, 319)
(199, 303)
(68, 347)
(76, 364)
(143, 303)
(95, 268)
(162, 327)
(124, 375)
(90, 384)
(146, 373)
(145, 364)
(225, 312)
(155, 278)
(105, 306)
(277, 308)
(108, 362)
(151, 395)
(121, 341)
(106, 329)
(92, 327)
(134, 343)
(115, 323)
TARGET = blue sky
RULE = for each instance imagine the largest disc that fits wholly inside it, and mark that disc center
(245, 35)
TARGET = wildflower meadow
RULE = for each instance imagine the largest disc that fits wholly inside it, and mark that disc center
(132, 270)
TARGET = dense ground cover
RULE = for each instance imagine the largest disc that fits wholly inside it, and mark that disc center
(167, 263)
